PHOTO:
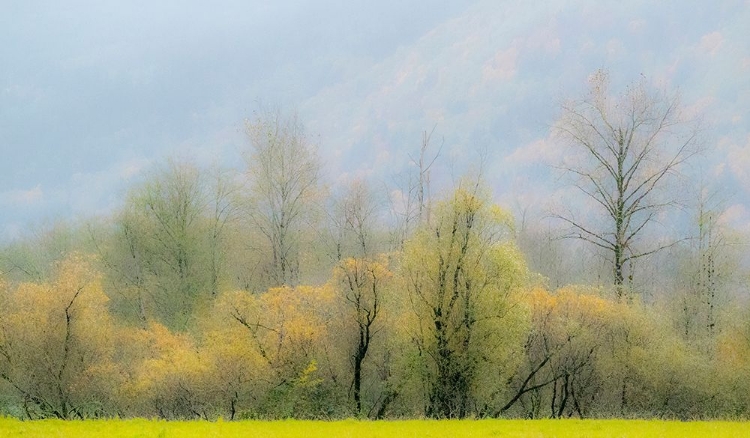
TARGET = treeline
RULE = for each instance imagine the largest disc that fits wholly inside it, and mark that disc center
(265, 293)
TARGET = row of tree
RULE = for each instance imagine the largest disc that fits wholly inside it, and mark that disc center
(446, 336)
(265, 293)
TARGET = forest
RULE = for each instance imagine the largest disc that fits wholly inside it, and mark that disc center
(268, 292)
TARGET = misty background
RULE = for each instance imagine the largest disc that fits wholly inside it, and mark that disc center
(92, 94)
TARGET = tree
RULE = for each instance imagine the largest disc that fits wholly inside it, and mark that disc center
(412, 204)
(162, 254)
(236, 371)
(168, 374)
(460, 272)
(32, 259)
(624, 149)
(284, 173)
(709, 267)
(288, 328)
(55, 347)
(353, 223)
(223, 214)
(362, 285)
(122, 254)
(422, 186)
(560, 354)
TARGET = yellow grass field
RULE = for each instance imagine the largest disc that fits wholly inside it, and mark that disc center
(363, 429)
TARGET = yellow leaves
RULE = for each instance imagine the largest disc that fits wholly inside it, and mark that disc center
(733, 349)
(168, 371)
(231, 357)
(297, 312)
(74, 274)
(75, 291)
(307, 376)
(541, 300)
(570, 302)
(571, 313)
(363, 279)
(57, 336)
(75, 296)
(585, 304)
(172, 359)
(283, 325)
(159, 341)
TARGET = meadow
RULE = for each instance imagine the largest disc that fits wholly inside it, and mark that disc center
(363, 429)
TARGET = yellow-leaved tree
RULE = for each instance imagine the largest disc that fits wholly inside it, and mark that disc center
(56, 344)
(283, 333)
(167, 374)
(559, 376)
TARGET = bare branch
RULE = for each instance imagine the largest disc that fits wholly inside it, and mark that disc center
(629, 147)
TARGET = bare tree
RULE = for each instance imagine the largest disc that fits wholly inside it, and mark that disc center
(415, 205)
(623, 151)
(284, 171)
(353, 222)
(423, 178)
(707, 271)
(223, 215)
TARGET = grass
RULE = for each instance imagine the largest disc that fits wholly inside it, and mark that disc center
(364, 429)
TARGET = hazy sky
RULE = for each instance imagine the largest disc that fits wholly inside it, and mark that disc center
(92, 93)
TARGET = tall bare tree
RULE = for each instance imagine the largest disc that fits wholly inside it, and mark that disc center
(623, 151)
(284, 170)
(708, 271)
(413, 209)
(224, 214)
(353, 222)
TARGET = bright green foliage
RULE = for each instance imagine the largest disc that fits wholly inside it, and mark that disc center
(460, 271)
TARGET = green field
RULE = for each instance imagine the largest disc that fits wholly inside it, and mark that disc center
(351, 428)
